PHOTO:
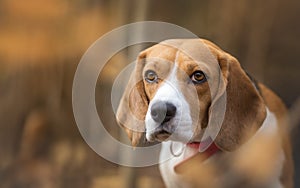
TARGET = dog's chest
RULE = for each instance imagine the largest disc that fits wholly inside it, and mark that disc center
(172, 153)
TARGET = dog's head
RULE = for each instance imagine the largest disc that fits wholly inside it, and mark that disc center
(175, 92)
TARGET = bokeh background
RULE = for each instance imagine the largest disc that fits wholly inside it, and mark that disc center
(41, 43)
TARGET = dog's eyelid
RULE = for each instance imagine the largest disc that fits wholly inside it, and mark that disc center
(149, 71)
(200, 71)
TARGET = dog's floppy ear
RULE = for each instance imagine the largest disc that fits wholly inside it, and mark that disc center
(134, 103)
(245, 108)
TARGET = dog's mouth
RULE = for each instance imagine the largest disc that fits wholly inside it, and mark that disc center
(160, 135)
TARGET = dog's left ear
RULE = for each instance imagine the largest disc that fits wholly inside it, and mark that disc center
(134, 104)
(245, 108)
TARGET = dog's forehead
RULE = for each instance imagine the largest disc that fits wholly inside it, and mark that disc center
(181, 50)
(164, 52)
(184, 52)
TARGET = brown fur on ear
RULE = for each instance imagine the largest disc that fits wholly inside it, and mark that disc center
(245, 108)
(134, 104)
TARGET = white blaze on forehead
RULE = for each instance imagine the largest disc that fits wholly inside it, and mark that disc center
(170, 92)
(173, 76)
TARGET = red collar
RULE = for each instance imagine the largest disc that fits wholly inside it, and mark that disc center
(200, 146)
(206, 149)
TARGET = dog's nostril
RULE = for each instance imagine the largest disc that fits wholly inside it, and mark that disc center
(171, 110)
(162, 112)
(158, 111)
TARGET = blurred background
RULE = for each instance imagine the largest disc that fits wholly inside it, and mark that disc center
(41, 43)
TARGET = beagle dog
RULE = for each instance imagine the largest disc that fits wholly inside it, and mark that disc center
(206, 110)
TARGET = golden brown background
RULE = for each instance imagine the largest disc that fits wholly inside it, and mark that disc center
(41, 43)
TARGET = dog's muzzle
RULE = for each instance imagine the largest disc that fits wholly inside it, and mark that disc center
(162, 113)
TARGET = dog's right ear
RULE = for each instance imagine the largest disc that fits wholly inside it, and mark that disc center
(134, 103)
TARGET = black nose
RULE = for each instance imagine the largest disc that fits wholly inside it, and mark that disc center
(162, 112)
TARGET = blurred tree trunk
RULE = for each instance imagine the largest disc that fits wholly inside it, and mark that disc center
(259, 38)
(139, 12)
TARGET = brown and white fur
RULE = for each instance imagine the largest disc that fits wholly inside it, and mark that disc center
(253, 130)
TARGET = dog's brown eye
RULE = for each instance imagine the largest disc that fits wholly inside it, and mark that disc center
(198, 77)
(150, 76)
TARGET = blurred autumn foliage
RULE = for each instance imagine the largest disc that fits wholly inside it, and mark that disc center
(41, 43)
(36, 31)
